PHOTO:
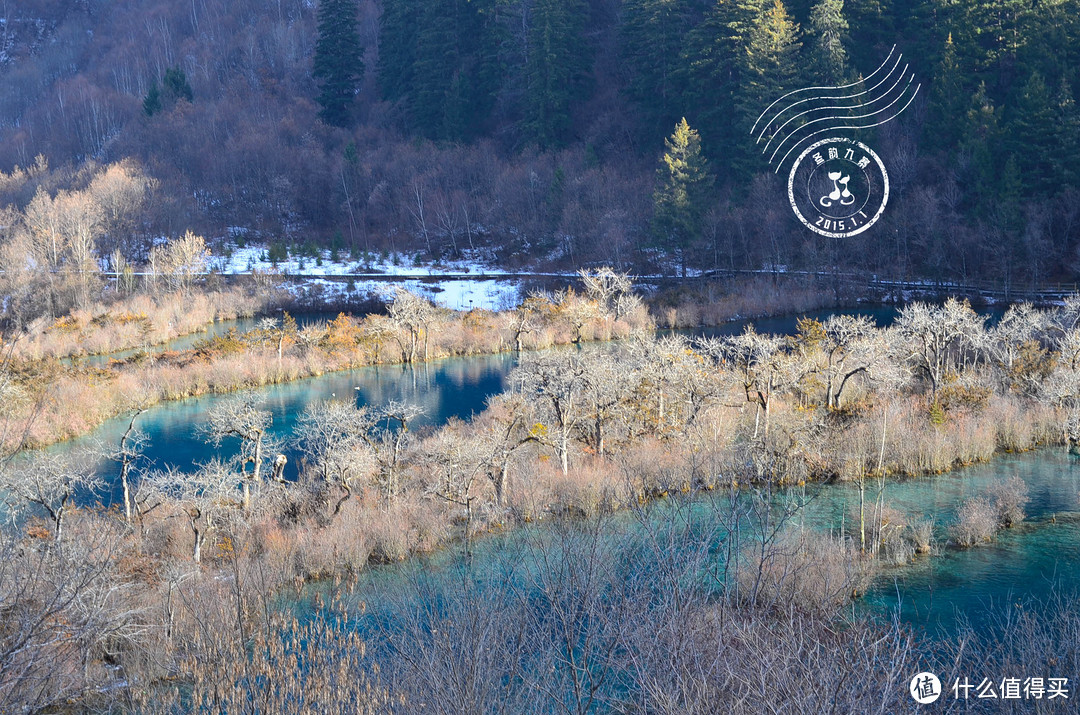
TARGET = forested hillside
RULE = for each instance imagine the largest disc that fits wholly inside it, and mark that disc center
(537, 127)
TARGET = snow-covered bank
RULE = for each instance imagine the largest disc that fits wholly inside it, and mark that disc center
(328, 278)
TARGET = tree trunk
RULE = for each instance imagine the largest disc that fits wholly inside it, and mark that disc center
(501, 484)
(344, 497)
(256, 471)
(196, 552)
(127, 490)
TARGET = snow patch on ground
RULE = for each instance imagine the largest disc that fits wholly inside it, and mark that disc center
(458, 291)
(232, 259)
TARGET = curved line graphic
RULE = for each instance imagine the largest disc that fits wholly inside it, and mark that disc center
(808, 89)
(845, 119)
(862, 126)
(814, 99)
(861, 105)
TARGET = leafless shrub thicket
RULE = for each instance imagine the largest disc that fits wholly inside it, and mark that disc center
(981, 516)
(976, 521)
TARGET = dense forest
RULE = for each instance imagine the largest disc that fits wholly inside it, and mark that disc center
(538, 128)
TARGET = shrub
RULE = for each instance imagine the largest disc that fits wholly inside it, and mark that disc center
(976, 521)
(811, 571)
(1009, 498)
(921, 535)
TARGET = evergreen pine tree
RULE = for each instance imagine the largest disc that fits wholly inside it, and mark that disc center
(830, 27)
(771, 68)
(1065, 158)
(978, 143)
(651, 39)
(339, 61)
(441, 61)
(176, 85)
(152, 102)
(712, 76)
(556, 68)
(1030, 137)
(438, 62)
(398, 27)
(946, 100)
(772, 59)
(681, 197)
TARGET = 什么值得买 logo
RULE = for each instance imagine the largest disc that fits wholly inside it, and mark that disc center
(837, 186)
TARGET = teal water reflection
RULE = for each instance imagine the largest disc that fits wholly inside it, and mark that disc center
(454, 387)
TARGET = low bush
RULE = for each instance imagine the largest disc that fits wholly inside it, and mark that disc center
(1009, 497)
(976, 522)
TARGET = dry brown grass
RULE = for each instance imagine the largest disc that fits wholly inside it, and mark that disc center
(138, 320)
(750, 298)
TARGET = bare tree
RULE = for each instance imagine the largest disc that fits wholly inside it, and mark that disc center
(389, 442)
(527, 316)
(377, 329)
(555, 381)
(413, 316)
(335, 438)
(938, 340)
(123, 191)
(50, 482)
(63, 609)
(851, 347)
(182, 260)
(756, 359)
(241, 417)
(576, 311)
(206, 496)
(277, 331)
(132, 444)
(606, 384)
(606, 287)
(454, 461)
(501, 431)
(416, 208)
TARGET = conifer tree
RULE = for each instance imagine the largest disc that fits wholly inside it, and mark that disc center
(556, 67)
(398, 28)
(830, 27)
(681, 197)
(1065, 154)
(651, 41)
(772, 62)
(947, 103)
(152, 102)
(978, 143)
(174, 87)
(339, 63)
(713, 69)
(440, 59)
(771, 67)
(1030, 136)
